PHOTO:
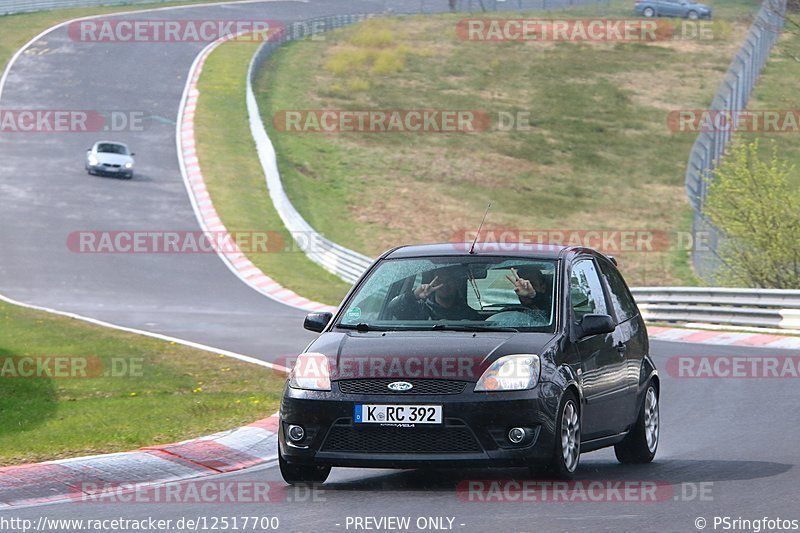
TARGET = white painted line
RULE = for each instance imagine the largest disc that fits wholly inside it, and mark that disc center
(723, 327)
(673, 334)
(787, 342)
(727, 338)
(151, 334)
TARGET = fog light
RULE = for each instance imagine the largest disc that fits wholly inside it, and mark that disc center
(515, 435)
(296, 433)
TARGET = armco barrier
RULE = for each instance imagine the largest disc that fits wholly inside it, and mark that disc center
(8, 7)
(734, 307)
(343, 262)
(761, 308)
(707, 150)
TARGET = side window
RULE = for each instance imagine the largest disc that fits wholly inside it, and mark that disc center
(586, 292)
(621, 299)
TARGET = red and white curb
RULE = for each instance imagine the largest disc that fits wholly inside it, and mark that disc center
(722, 338)
(78, 479)
(203, 206)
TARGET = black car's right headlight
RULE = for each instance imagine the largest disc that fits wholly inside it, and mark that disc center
(511, 372)
(311, 372)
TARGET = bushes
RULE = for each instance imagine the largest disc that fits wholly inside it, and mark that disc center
(752, 201)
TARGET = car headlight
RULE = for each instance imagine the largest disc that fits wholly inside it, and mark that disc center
(129, 165)
(511, 372)
(93, 161)
(311, 372)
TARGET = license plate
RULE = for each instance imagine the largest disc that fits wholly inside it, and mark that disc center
(397, 414)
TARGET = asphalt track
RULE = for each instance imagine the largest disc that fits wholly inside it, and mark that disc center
(734, 439)
(45, 194)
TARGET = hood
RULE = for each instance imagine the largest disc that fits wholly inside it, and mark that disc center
(113, 159)
(455, 355)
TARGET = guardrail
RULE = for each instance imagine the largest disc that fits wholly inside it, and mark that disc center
(733, 307)
(343, 262)
(732, 96)
(759, 308)
(9, 7)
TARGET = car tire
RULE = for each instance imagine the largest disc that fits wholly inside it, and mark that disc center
(567, 446)
(641, 443)
(692, 15)
(302, 474)
(649, 12)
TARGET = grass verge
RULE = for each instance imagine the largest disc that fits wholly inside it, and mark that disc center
(235, 180)
(599, 154)
(157, 392)
(128, 391)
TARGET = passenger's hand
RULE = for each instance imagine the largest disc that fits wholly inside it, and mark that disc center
(522, 287)
(426, 289)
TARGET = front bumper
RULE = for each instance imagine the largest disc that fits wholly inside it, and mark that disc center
(109, 171)
(473, 432)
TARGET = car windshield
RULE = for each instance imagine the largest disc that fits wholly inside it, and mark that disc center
(460, 293)
(111, 148)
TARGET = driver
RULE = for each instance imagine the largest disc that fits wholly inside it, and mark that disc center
(440, 299)
(531, 288)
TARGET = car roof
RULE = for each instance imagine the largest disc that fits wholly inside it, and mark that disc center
(527, 250)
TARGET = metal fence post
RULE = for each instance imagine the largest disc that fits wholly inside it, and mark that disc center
(732, 96)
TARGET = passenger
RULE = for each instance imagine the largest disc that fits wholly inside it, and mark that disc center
(443, 298)
(531, 287)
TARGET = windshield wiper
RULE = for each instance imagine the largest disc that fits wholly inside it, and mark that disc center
(459, 327)
(361, 326)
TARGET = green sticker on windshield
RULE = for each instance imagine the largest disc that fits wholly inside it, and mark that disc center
(354, 313)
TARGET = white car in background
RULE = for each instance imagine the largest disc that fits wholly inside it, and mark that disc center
(108, 158)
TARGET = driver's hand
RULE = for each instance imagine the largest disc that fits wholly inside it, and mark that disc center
(522, 287)
(426, 289)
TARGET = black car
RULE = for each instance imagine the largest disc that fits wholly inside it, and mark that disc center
(500, 355)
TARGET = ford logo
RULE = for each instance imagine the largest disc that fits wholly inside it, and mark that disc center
(400, 386)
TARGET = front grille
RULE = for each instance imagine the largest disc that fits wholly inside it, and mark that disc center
(111, 166)
(442, 439)
(420, 386)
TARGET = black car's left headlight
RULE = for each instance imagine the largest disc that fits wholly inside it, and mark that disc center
(510, 372)
(311, 372)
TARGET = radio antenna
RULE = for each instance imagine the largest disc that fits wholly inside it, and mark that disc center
(472, 248)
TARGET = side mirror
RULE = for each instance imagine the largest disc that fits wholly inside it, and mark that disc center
(595, 325)
(317, 321)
